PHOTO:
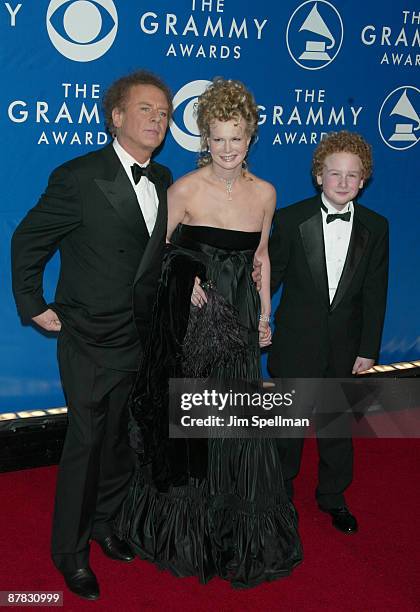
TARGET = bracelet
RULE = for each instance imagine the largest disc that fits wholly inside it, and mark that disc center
(265, 318)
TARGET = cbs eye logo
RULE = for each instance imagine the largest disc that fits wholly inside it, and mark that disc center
(82, 30)
(185, 100)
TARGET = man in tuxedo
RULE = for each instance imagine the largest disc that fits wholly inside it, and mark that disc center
(331, 255)
(106, 213)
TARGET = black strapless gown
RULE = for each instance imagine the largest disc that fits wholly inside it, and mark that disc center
(215, 507)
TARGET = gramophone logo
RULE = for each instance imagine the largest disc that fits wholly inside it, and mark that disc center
(82, 30)
(399, 121)
(185, 100)
(314, 34)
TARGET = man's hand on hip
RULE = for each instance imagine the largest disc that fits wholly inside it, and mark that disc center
(48, 320)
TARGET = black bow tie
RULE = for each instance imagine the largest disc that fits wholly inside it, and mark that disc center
(137, 172)
(343, 216)
(332, 217)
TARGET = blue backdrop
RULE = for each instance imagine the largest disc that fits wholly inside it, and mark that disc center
(312, 66)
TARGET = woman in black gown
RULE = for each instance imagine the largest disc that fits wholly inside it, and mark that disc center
(215, 507)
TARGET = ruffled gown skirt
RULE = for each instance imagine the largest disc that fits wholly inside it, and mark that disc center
(237, 524)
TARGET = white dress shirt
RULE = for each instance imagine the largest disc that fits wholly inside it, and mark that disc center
(336, 240)
(145, 189)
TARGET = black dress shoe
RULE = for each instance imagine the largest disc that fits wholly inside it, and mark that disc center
(116, 549)
(342, 519)
(83, 583)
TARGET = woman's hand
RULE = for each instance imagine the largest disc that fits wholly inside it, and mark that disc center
(198, 296)
(264, 333)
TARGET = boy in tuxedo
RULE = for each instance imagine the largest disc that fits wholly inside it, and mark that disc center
(330, 253)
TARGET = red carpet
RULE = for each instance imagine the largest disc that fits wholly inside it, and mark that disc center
(375, 570)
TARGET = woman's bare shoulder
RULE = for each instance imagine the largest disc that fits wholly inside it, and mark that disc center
(266, 191)
(186, 184)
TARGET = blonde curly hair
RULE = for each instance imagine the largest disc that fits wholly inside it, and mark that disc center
(224, 100)
(346, 142)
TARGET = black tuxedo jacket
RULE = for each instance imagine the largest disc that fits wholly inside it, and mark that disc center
(109, 264)
(313, 336)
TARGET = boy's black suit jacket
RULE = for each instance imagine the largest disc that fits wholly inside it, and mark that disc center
(312, 336)
(109, 264)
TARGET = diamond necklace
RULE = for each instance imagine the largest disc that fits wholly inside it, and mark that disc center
(228, 185)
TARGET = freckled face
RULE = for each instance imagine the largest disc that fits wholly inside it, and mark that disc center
(228, 143)
(341, 178)
(142, 121)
